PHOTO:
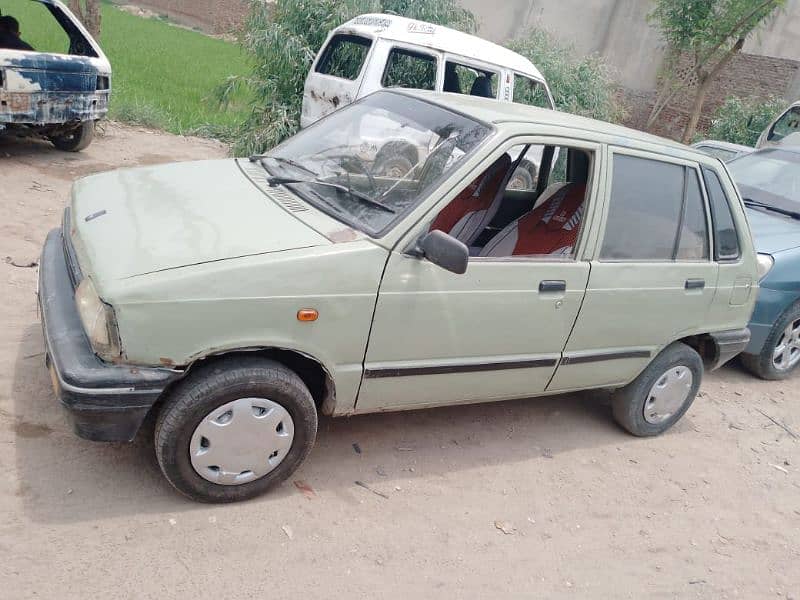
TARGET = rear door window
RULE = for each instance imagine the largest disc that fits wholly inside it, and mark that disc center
(344, 56)
(656, 213)
(464, 79)
(409, 69)
(726, 240)
(530, 92)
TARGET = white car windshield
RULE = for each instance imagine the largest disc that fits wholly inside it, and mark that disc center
(370, 163)
(774, 171)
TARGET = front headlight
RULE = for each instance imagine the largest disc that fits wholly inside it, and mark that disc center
(765, 264)
(98, 320)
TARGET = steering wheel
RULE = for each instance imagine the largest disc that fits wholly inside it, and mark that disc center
(362, 166)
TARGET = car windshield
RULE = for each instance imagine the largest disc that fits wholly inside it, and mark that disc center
(776, 172)
(370, 163)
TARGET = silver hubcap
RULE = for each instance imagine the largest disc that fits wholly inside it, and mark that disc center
(668, 395)
(241, 441)
(787, 350)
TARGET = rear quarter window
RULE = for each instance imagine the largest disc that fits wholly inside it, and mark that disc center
(726, 239)
(344, 56)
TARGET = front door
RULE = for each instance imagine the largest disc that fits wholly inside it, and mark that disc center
(493, 333)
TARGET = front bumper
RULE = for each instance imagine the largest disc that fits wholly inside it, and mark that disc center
(104, 402)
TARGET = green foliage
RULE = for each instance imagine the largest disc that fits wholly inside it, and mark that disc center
(704, 26)
(283, 37)
(580, 85)
(163, 76)
(742, 121)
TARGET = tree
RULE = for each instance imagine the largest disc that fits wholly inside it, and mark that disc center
(88, 11)
(284, 36)
(709, 33)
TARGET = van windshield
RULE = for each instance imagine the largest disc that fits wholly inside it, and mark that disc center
(372, 162)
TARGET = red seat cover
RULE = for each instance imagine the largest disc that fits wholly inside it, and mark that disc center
(479, 195)
(554, 225)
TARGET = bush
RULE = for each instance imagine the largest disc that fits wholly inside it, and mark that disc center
(284, 37)
(582, 86)
(742, 121)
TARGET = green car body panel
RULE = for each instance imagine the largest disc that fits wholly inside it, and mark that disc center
(200, 259)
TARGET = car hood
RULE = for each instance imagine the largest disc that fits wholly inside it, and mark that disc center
(135, 221)
(773, 233)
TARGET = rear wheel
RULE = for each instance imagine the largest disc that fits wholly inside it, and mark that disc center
(77, 139)
(235, 428)
(661, 394)
(780, 355)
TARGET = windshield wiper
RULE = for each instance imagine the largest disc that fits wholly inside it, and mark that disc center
(280, 160)
(275, 181)
(782, 211)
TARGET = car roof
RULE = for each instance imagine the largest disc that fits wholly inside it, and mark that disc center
(438, 37)
(491, 111)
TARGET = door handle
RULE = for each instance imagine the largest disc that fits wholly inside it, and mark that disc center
(552, 285)
(695, 284)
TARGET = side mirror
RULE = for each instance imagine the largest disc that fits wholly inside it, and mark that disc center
(445, 251)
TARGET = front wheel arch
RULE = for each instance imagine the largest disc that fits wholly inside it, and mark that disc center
(317, 378)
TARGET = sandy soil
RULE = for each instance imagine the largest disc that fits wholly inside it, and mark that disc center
(710, 510)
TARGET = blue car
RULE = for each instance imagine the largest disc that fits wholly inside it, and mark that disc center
(769, 181)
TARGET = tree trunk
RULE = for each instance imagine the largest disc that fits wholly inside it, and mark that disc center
(697, 110)
(704, 82)
(88, 11)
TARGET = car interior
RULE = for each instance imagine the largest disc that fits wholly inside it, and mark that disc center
(494, 221)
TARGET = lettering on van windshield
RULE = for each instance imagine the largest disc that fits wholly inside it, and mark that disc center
(417, 27)
(372, 21)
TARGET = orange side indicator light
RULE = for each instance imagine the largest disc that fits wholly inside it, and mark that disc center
(307, 315)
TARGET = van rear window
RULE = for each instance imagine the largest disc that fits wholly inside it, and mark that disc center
(344, 56)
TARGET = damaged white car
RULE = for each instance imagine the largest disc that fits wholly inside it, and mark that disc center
(54, 92)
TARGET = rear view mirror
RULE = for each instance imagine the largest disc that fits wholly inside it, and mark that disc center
(445, 251)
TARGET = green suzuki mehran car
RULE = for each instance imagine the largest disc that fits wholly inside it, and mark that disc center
(237, 300)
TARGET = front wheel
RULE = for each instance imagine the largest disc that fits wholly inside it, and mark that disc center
(235, 428)
(661, 394)
(77, 139)
(780, 355)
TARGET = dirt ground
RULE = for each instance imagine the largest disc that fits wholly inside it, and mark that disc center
(542, 498)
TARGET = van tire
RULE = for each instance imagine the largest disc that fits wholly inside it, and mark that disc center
(76, 140)
(630, 403)
(211, 386)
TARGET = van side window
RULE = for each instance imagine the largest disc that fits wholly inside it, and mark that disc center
(726, 240)
(408, 69)
(656, 212)
(530, 92)
(463, 79)
(344, 56)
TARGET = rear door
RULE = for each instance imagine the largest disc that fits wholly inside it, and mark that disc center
(335, 77)
(653, 278)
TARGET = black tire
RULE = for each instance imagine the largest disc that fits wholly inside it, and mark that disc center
(762, 365)
(77, 139)
(213, 385)
(393, 166)
(628, 403)
(524, 177)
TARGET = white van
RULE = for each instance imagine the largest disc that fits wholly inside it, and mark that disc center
(376, 51)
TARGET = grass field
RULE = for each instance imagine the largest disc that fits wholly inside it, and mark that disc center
(163, 76)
